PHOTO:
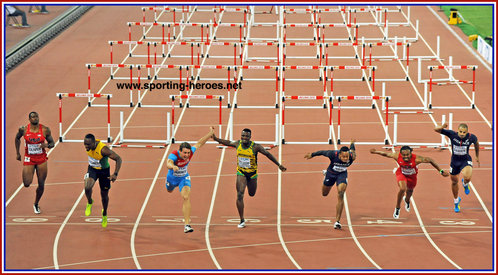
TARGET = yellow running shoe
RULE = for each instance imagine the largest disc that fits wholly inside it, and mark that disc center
(88, 209)
(104, 220)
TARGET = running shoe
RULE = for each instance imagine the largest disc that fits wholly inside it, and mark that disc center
(88, 209)
(36, 208)
(396, 213)
(242, 224)
(457, 205)
(466, 187)
(188, 229)
(407, 205)
(337, 225)
(104, 219)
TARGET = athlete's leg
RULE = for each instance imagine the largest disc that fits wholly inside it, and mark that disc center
(89, 183)
(467, 174)
(401, 193)
(326, 190)
(341, 189)
(28, 171)
(252, 186)
(454, 185)
(104, 193)
(186, 203)
(241, 188)
(41, 173)
(409, 193)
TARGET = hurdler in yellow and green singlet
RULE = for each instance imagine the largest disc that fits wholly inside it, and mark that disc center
(99, 169)
(247, 161)
(247, 167)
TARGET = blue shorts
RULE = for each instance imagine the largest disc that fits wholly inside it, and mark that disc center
(172, 182)
(456, 166)
(331, 179)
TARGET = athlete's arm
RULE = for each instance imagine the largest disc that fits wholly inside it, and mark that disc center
(259, 148)
(440, 128)
(352, 149)
(476, 147)
(205, 138)
(420, 159)
(112, 155)
(226, 142)
(171, 165)
(19, 135)
(50, 140)
(384, 154)
(326, 153)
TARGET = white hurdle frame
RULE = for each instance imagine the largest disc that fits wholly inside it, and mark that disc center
(69, 95)
(331, 107)
(442, 144)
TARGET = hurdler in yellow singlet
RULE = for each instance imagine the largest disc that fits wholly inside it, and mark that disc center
(95, 158)
(246, 160)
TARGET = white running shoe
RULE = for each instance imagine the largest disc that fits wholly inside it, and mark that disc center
(36, 209)
(188, 229)
(242, 224)
(407, 205)
(396, 213)
(337, 225)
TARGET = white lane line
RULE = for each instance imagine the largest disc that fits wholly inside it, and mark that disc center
(260, 244)
(429, 237)
(158, 171)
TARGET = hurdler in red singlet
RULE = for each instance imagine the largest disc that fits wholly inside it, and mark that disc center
(34, 154)
(36, 138)
(407, 171)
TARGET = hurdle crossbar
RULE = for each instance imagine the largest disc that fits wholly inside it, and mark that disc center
(84, 95)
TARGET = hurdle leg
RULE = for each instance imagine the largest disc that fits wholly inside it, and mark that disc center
(395, 130)
(109, 138)
(443, 120)
(121, 127)
(60, 118)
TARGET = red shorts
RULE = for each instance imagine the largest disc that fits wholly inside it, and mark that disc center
(411, 181)
(34, 160)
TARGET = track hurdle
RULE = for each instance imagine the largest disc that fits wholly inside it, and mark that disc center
(394, 45)
(122, 140)
(424, 107)
(188, 98)
(342, 98)
(452, 80)
(93, 96)
(442, 144)
(331, 107)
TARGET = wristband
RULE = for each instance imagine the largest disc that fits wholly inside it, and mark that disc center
(441, 171)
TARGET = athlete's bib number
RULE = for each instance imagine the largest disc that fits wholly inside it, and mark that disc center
(182, 171)
(408, 171)
(95, 163)
(34, 149)
(339, 168)
(459, 150)
(244, 162)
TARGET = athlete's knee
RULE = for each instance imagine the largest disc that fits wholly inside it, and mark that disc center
(240, 196)
(402, 189)
(251, 193)
(340, 194)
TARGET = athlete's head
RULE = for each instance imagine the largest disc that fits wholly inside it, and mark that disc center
(185, 150)
(344, 154)
(89, 142)
(33, 118)
(245, 136)
(463, 129)
(406, 153)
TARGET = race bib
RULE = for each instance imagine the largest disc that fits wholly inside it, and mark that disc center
(244, 162)
(182, 171)
(459, 150)
(95, 163)
(408, 171)
(339, 168)
(34, 149)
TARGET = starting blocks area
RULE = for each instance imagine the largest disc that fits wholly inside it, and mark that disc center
(346, 63)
